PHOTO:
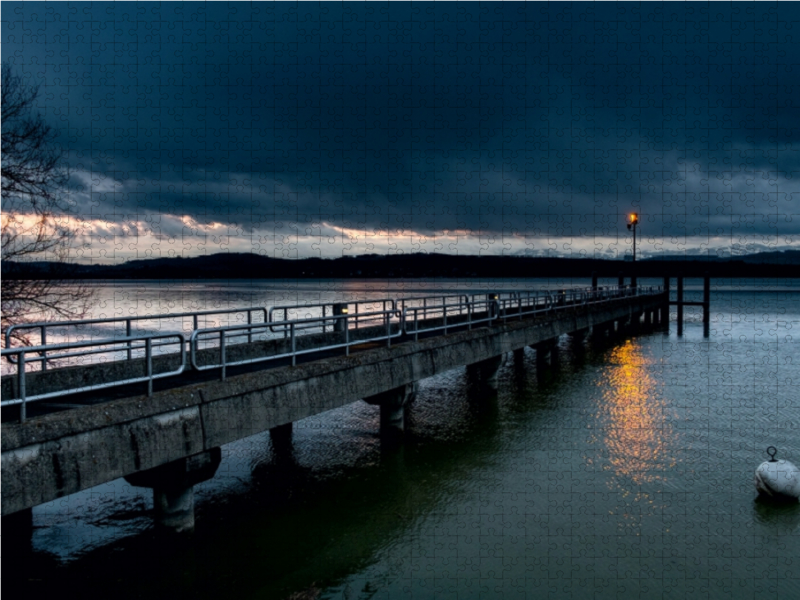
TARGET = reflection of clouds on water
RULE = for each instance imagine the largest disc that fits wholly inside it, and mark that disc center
(637, 435)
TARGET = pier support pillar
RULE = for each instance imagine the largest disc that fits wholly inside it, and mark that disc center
(392, 405)
(173, 488)
(485, 372)
(17, 532)
(601, 331)
(281, 437)
(579, 335)
(546, 354)
(519, 356)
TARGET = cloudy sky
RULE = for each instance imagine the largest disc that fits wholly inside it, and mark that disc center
(323, 129)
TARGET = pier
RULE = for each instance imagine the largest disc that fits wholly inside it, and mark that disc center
(158, 414)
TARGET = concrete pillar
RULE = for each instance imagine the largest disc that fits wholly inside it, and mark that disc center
(281, 437)
(546, 352)
(173, 488)
(17, 532)
(580, 334)
(392, 405)
(340, 309)
(174, 509)
(601, 331)
(594, 281)
(485, 372)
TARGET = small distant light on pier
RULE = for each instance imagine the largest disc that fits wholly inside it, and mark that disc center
(632, 225)
(345, 311)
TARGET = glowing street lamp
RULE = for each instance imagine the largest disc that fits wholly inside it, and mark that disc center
(634, 221)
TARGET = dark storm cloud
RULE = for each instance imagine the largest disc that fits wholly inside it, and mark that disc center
(519, 119)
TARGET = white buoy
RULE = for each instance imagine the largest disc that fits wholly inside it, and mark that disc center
(777, 478)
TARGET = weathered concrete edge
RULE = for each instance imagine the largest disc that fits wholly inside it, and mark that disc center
(55, 457)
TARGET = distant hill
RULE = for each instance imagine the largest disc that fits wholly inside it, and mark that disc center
(782, 257)
(373, 266)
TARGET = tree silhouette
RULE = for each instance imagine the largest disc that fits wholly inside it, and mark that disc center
(35, 223)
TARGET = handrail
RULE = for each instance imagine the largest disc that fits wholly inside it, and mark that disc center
(293, 326)
(467, 308)
(44, 325)
(463, 299)
(466, 312)
(129, 341)
(324, 306)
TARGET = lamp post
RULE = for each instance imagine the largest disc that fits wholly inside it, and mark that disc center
(634, 221)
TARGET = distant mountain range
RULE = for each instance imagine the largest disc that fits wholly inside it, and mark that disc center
(784, 257)
(254, 266)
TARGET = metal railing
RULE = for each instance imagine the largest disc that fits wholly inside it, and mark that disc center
(196, 316)
(282, 314)
(224, 334)
(412, 316)
(444, 317)
(136, 343)
(458, 300)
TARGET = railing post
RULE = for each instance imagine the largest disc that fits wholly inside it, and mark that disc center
(148, 350)
(250, 330)
(128, 334)
(294, 345)
(222, 357)
(680, 303)
(21, 385)
(706, 297)
(43, 337)
(444, 308)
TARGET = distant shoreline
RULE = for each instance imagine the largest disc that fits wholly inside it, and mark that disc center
(408, 266)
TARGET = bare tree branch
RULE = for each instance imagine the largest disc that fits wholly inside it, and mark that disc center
(34, 223)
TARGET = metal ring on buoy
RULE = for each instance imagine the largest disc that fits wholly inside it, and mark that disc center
(772, 454)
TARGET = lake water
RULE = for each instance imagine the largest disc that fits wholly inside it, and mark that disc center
(626, 472)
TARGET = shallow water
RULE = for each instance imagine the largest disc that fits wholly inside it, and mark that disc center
(625, 472)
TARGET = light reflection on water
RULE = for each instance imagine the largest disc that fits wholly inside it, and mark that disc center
(626, 472)
(635, 418)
